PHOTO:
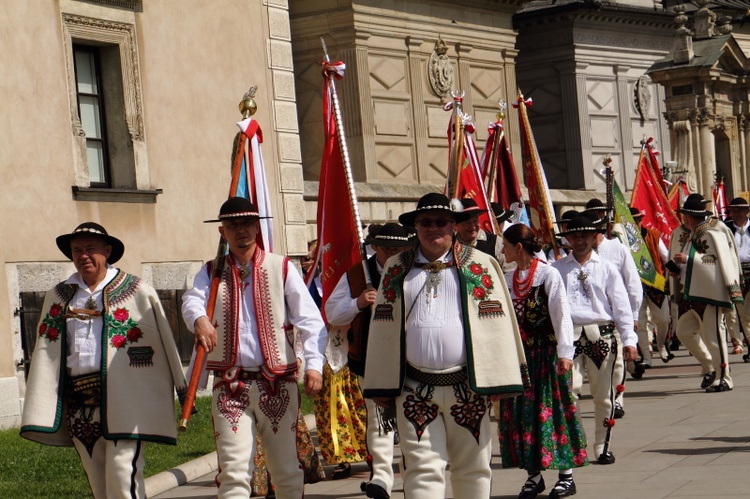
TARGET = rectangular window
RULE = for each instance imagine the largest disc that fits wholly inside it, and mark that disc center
(89, 90)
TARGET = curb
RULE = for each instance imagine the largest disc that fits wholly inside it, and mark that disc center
(180, 475)
(187, 472)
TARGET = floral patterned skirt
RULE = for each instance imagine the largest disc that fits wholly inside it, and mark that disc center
(341, 416)
(539, 430)
(306, 454)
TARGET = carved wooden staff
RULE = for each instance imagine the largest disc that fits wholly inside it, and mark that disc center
(248, 107)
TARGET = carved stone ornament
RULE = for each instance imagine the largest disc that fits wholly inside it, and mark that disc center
(642, 97)
(440, 70)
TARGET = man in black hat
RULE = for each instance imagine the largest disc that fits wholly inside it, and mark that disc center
(250, 346)
(562, 243)
(350, 303)
(738, 223)
(705, 277)
(105, 367)
(655, 306)
(598, 303)
(443, 337)
(470, 232)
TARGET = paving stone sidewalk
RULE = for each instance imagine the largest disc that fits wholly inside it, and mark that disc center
(675, 441)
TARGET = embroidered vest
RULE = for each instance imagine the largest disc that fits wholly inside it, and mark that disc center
(275, 335)
(495, 358)
(536, 326)
(488, 245)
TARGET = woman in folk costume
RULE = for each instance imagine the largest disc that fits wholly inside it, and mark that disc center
(539, 430)
(705, 270)
(340, 411)
(105, 367)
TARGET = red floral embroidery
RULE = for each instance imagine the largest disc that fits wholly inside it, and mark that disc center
(478, 293)
(392, 283)
(55, 310)
(121, 314)
(52, 334)
(119, 341)
(386, 281)
(390, 295)
(122, 329)
(478, 281)
(620, 388)
(487, 281)
(396, 270)
(52, 323)
(134, 334)
(475, 268)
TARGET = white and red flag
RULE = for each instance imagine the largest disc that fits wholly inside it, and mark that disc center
(649, 196)
(719, 198)
(338, 244)
(253, 183)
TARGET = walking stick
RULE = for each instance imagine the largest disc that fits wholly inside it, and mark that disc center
(248, 107)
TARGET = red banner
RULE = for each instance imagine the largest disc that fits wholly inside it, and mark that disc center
(338, 248)
(649, 196)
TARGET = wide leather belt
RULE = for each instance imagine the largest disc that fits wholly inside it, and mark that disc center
(84, 390)
(436, 379)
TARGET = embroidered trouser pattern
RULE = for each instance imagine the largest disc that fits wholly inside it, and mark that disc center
(240, 411)
(114, 467)
(598, 360)
(379, 446)
(441, 425)
(705, 339)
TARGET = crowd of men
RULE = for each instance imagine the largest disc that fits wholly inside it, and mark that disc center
(435, 342)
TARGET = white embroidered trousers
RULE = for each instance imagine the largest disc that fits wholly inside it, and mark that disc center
(265, 408)
(602, 385)
(115, 467)
(705, 339)
(379, 446)
(658, 316)
(442, 442)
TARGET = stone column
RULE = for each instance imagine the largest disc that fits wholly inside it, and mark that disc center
(744, 143)
(696, 147)
(575, 119)
(623, 121)
(417, 63)
(708, 153)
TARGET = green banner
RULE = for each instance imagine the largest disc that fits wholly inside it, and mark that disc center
(643, 261)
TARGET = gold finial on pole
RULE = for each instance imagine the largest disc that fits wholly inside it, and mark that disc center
(247, 106)
(503, 108)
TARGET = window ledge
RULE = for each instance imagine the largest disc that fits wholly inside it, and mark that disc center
(115, 195)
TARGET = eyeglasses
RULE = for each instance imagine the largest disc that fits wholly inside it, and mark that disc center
(426, 223)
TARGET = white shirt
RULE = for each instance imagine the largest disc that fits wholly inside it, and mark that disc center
(341, 308)
(600, 298)
(742, 238)
(614, 251)
(557, 304)
(434, 324)
(85, 336)
(300, 308)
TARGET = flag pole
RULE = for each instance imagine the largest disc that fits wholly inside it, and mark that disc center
(491, 188)
(454, 170)
(609, 178)
(248, 107)
(327, 71)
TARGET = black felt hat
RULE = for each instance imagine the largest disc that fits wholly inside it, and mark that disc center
(695, 205)
(91, 229)
(392, 235)
(237, 207)
(581, 223)
(501, 213)
(434, 202)
(636, 213)
(595, 219)
(568, 216)
(738, 203)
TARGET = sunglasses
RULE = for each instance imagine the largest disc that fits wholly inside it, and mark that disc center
(426, 223)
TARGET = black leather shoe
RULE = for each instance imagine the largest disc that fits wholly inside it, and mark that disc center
(563, 488)
(374, 490)
(746, 357)
(723, 386)
(531, 489)
(606, 458)
(619, 411)
(343, 470)
(708, 379)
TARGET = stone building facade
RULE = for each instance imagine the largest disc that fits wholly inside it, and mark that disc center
(160, 81)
